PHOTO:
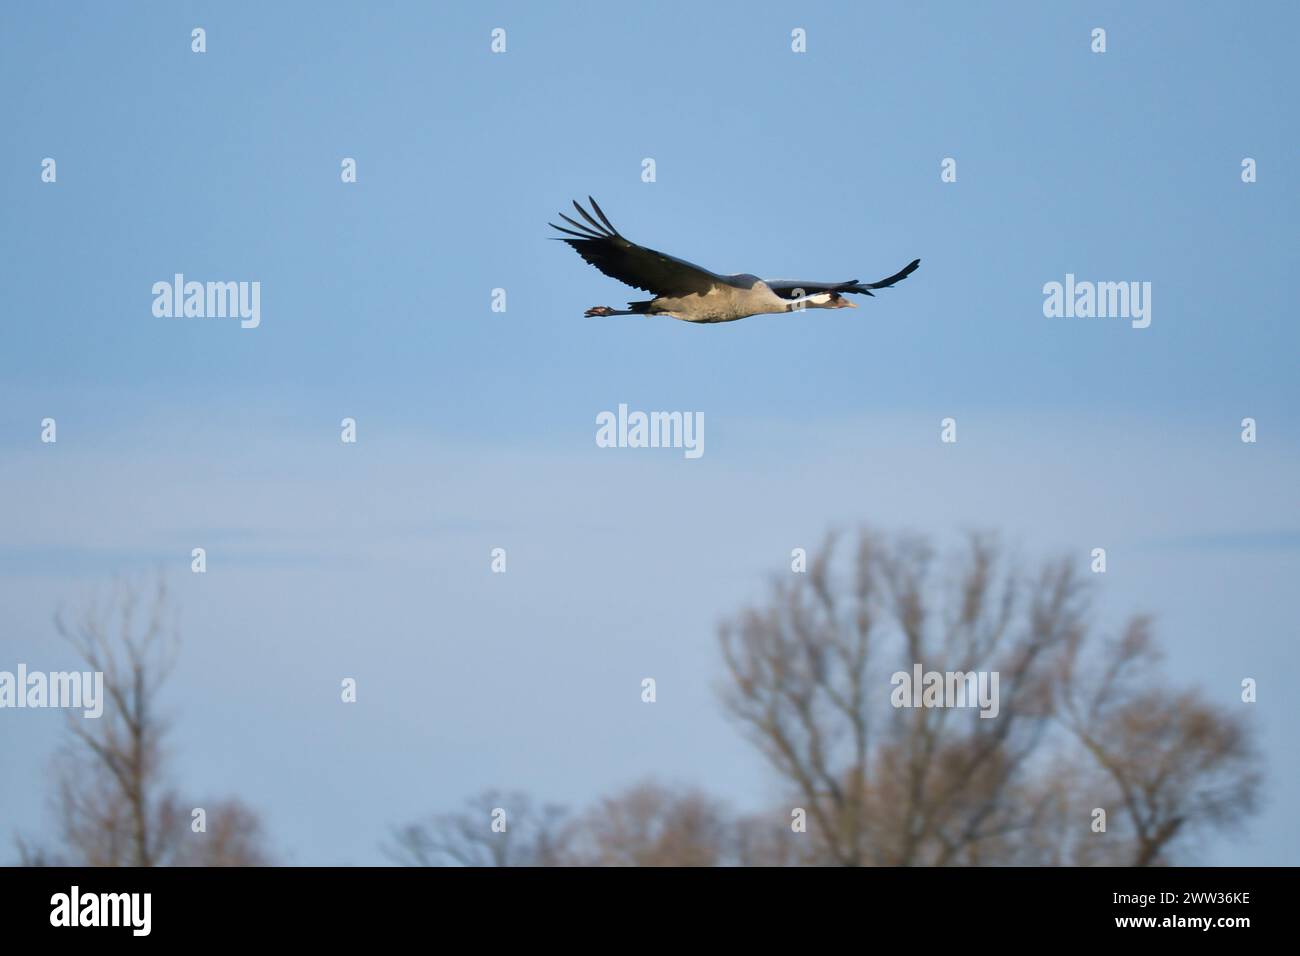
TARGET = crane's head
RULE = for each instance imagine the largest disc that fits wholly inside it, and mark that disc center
(818, 300)
(829, 300)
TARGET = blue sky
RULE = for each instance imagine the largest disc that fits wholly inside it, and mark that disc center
(477, 427)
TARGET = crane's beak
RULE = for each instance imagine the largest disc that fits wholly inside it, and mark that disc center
(850, 303)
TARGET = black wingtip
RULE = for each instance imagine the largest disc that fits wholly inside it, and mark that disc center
(601, 213)
(595, 226)
(570, 232)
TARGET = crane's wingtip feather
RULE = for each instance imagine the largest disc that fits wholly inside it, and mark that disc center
(601, 213)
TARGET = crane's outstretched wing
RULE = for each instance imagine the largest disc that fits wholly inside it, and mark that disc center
(787, 288)
(601, 245)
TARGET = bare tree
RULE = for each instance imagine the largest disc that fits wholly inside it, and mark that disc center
(1175, 765)
(234, 837)
(645, 825)
(494, 829)
(809, 679)
(1081, 725)
(112, 808)
(113, 804)
(652, 825)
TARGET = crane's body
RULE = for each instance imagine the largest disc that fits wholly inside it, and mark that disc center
(692, 293)
(735, 297)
